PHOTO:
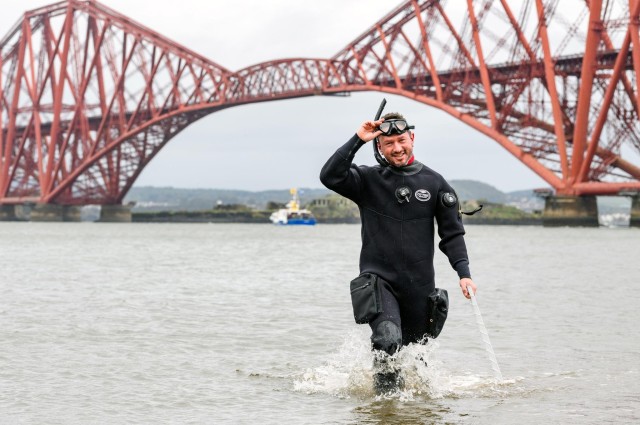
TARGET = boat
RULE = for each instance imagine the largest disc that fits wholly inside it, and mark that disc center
(292, 214)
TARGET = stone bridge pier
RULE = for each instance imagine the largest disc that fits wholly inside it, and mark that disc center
(573, 211)
(635, 211)
(40, 212)
(115, 213)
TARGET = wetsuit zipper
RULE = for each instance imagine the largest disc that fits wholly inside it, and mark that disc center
(361, 287)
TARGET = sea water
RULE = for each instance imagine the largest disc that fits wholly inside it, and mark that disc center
(252, 324)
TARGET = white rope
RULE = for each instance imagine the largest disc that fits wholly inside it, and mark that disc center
(485, 336)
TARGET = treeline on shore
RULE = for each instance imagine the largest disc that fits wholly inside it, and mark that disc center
(329, 209)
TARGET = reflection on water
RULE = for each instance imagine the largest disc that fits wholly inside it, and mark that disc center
(396, 412)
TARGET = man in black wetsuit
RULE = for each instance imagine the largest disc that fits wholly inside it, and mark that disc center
(398, 202)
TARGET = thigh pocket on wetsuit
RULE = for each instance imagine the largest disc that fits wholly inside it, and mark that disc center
(437, 310)
(365, 297)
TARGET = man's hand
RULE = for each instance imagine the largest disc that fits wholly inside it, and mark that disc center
(367, 130)
(464, 282)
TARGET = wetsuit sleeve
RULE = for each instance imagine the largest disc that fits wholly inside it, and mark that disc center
(340, 174)
(451, 231)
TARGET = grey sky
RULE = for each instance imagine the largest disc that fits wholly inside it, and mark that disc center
(282, 144)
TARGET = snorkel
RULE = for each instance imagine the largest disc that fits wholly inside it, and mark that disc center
(376, 152)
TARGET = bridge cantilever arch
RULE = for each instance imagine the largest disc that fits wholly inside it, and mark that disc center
(88, 97)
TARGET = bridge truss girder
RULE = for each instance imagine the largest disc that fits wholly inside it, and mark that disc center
(88, 97)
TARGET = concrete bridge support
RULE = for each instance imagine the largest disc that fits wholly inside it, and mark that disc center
(635, 211)
(573, 211)
(46, 213)
(8, 213)
(71, 213)
(115, 214)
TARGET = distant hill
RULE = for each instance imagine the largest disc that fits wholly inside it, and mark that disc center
(472, 190)
(468, 190)
(149, 198)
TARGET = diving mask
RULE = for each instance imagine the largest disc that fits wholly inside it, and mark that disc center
(394, 126)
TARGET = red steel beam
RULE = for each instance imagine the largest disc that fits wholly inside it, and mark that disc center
(4, 153)
(11, 124)
(427, 50)
(93, 150)
(394, 70)
(519, 32)
(84, 83)
(634, 29)
(461, 45)
(550, 75)
(586, 84)
(484, 73)
(604, 109)
(57, 101)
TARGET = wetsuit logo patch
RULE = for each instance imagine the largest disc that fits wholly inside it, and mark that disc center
(423, 195)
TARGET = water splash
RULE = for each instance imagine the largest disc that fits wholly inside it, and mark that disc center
(484, 335)
(349, 373)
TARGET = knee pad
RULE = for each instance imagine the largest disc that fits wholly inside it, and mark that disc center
(387, 337)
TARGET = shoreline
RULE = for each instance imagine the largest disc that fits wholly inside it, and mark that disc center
(262, 217)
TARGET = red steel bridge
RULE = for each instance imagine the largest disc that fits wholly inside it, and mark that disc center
(88, 96)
